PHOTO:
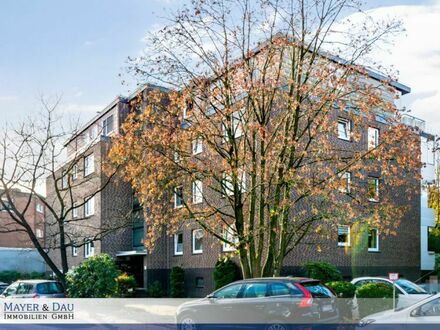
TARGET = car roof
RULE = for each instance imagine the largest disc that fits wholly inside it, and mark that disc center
(370, 278)
(281, 278)
(37, 281)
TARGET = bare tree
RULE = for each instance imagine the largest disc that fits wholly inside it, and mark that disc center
(34, 154)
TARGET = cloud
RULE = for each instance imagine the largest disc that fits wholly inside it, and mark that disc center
(8, 98)
(415, 54)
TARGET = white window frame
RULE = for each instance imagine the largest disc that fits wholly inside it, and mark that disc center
(230, 236)
(227, 186)
(373, 138)
(176, 240)
(193, 239)
(105, 131)
(346, 178)
(197, 192)
(39, 208)
(89, 164)
(197, 146)
(376, 187)
(64, 180)
(374, 249)
(39, 233)
(348, 243)
(89, 249)
(175, 198)
(89, 206)
(74, 172)
(74, 251)
(347, 124)
(75, 210)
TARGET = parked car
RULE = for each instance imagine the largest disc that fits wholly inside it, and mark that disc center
(409, 292)
(34, 289)
(274, 302)
(3, 286)
(426, 311)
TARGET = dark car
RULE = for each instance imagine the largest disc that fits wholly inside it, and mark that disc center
(34, 289)
(272, 302)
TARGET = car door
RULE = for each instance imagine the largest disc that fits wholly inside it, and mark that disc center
(222, 306)
(427, 313)
(254, 303)
(11, 291)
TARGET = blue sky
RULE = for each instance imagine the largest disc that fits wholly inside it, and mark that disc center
(77, 49)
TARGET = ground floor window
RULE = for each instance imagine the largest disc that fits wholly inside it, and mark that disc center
(89, 249)
(343, 236)
(197, 240)
(178, 244)
(200, 282)
(373, 240)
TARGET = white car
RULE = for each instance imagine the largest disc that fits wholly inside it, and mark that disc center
(409, 292)
(426, 311)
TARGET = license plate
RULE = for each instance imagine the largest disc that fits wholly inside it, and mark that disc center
(327, 308)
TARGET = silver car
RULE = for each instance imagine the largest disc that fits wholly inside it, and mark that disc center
(34, 289)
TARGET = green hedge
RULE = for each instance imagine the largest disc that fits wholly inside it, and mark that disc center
(225, 272)
(125, 285)
(94, 278)
(9, 276)
(322, 271)
(177, 282)
(342, 289)
(374, 297)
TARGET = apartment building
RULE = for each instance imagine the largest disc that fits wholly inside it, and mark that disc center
(428, 142)
(17, 252)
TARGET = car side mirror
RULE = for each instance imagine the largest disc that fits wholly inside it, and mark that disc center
(210, 296)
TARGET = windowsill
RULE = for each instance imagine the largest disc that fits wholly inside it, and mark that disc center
(197, 252)
(228, 250)
(178, 254)
(344, 139)
(373, 200)
(86, 175)
(196, 203)
(178, 206)
(374, 250)
(344, 245)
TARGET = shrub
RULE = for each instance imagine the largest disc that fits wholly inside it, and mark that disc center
(125, 284)
(342, 289)
(155, 290)
(94, 278)
(225, 272)
(177, 282)
(9, 276)
(383, 294)
(322, 271)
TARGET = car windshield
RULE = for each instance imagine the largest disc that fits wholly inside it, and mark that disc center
(317, 290)
(410, 287)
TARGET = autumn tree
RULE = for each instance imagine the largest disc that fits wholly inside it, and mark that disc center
(33, 155)
(261, 138)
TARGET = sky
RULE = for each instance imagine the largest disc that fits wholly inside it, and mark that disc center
(78, 49)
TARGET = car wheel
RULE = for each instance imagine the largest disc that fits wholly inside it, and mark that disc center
(274, 325)
(187, 322)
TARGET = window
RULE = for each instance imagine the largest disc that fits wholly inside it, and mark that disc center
(237, 125)
(93, 133)
(39, 233)
(279, 289)
(431, 308)
(197, 241)
(65, 180)
(346, 182)
(230, 292)
(178, 197)
(89, 206)
(229, 235)
(176, 157)
(89, 164)
(343, 236)
(197, 192)
(344, 129)
(39, 208)
(178, 244)
(227, 187)
(373, 240)
(200, 282)
(255, 290)
(197, 146)
(187, 109)
(373, 138)
(74, 251)
(75, 210)
(107, 125)
(89, 249)
(373, 189)
(74, 172)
